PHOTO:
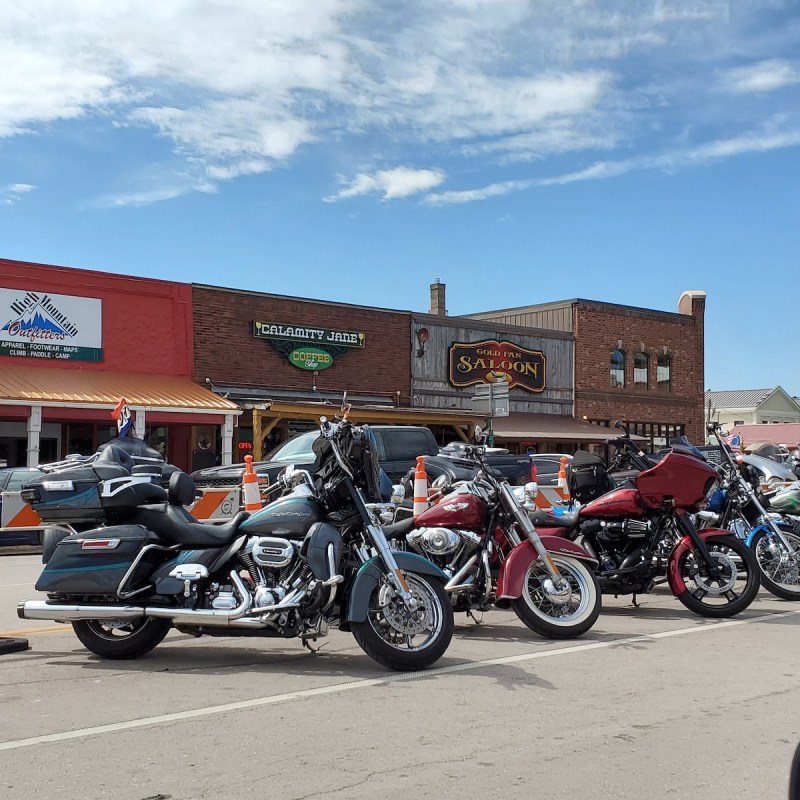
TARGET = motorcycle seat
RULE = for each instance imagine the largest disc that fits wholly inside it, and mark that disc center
(545, 519)
(398, 530)
(175, 524)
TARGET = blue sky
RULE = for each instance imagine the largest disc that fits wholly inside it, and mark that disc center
(352, 150)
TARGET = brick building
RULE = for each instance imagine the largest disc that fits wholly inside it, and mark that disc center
(287, 360)
(641, 366)
(72, 342)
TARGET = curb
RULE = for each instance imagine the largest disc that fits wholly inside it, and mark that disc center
(13, 645)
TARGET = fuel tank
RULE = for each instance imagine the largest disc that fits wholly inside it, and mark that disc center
(289, 516)
(456, 511)
(619, 503)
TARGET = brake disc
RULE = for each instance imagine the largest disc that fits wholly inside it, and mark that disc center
(727, 566)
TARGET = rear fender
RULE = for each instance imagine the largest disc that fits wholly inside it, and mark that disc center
(512, 573)
(373, 571)
(685, 545)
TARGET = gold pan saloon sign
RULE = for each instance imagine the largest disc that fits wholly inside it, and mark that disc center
(493, 361)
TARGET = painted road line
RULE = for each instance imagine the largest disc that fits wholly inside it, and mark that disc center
(11, 585)
(34, 631)
(393, 677)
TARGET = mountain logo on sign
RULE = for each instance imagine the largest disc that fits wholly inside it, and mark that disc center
(29, 322)
(39, 318)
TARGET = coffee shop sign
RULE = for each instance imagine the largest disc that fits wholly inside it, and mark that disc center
(492, 362)
(311, 335)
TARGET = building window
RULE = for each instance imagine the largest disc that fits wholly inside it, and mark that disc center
(618, 369)
(738, 422)
(664, 373)
(640, 365)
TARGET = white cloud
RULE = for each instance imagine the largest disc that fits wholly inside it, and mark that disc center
(765, 76)
(12, 192)
(471, 195)
(391, 183)
(242, 88)
(760, 141)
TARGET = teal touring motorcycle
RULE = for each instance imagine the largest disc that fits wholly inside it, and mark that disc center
(312, 558)
(742, 508)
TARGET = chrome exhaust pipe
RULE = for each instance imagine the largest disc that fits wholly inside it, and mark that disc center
(216, 617)
(38, 609)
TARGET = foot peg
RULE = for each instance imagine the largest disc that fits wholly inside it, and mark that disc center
(333, 580)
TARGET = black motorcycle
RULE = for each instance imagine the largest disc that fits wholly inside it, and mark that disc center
(312, 558)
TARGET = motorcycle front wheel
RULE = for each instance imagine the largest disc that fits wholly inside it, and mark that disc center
(780, 567)
(559, 612)
(406, 639)
(735, 587)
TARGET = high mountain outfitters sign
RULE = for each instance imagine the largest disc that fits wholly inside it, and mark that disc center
(307, 347)
(52, 326)
(492, 361)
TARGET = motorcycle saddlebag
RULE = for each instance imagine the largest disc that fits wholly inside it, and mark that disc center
(95, 562)
(587, 478)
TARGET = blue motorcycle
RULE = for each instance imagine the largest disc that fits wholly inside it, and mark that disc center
(739, 507)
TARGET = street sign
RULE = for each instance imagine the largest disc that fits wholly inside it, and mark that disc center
(491, 399)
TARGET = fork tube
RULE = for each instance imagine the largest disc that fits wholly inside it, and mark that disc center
(688, 528)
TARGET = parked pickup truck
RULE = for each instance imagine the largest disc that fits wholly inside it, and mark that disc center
(448, 461)
(398, 448)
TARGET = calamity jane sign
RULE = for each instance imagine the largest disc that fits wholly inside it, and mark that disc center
(492, 361)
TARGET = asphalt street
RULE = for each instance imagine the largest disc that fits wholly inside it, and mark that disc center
(653, 703)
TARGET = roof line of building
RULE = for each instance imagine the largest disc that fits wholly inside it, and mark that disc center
(579, 301)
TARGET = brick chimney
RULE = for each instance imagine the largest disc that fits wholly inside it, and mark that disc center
(438, 305)
(693, 304)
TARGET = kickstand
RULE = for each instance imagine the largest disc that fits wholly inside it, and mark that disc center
(473, 617)
(635, 603)
(307, 645)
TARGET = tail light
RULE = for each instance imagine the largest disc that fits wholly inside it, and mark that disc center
(534, 474)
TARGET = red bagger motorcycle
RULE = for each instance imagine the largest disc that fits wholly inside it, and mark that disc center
(482, 538)
(640, 532)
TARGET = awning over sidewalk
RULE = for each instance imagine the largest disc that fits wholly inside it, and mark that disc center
(265, 418)
(73, 388)
(551, 428)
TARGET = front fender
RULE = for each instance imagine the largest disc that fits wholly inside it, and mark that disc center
(782, 525)
(685, 545)
(512, 573)
(369, 575)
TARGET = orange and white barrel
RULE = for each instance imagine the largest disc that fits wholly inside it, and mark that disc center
(420, 487)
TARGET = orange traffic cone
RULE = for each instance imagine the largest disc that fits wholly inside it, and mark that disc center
(420, 487)
(250, 493)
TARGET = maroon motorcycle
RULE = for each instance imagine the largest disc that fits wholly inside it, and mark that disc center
(642, 534)
(483, 539)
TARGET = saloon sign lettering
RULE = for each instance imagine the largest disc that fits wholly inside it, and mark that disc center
(492, 361)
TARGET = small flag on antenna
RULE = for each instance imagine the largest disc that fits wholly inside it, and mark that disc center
(122, 414)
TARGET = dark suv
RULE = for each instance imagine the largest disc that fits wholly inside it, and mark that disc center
(398, 448)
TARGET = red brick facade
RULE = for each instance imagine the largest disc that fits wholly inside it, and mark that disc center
(227, 352)
(603, 327)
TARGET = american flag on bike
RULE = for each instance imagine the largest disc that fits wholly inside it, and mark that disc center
(734, 441)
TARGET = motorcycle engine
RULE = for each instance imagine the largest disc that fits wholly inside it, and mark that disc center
(442, 541)
(615, 532)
